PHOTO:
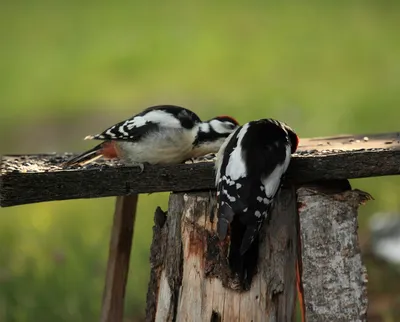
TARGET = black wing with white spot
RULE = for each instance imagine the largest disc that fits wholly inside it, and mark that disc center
(249, 176)
(249, 167)
(131, 130)
(227, 188)
(152, 119)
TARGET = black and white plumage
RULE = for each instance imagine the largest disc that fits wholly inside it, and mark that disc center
(211, 135)
(249, 168)
(163, 134)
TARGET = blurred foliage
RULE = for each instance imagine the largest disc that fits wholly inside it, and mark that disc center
(68, 69)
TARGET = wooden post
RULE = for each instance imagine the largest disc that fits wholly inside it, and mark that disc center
(190, 280)
(333, 276)
(118, 258)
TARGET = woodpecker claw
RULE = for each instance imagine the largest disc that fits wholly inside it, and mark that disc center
(141, 166)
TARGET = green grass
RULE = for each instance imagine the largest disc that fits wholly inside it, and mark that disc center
(324, 68)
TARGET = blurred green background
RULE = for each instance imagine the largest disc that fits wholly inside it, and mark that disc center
(68, 69)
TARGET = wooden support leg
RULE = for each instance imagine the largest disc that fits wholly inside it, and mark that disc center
(190, 279)
(333, 275)
(118, 258)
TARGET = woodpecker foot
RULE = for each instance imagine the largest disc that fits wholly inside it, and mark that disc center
(102, 167)
(191, 160)
(142, 166)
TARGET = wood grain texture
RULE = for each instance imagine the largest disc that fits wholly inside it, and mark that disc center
(333, 276)
(37, 178)
(118, 259)
(190, 278)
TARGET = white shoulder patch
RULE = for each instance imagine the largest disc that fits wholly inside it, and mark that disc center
(236, 167)
(137, 121)
(163, 118)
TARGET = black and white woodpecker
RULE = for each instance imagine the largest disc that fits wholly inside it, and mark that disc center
(163, 134)
(249, 169)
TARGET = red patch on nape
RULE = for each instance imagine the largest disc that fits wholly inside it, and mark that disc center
(297, 142)
(109, 150)
(230, 118)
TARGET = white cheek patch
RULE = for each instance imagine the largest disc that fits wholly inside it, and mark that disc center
(220, 127)
(273, 181)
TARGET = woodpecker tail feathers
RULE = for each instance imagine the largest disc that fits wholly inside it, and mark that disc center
(249, 235)
(224, 220)
(243, 257)
(105, 149)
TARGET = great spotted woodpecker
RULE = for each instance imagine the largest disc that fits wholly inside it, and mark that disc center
(249, 168)
(164, 134)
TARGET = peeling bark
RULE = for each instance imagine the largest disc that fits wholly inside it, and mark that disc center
(192, 282)
(333, 276)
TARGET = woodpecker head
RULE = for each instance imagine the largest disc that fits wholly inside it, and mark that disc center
(211, 134)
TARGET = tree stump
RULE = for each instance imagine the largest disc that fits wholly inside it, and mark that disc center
(333, 275)
(190, 279)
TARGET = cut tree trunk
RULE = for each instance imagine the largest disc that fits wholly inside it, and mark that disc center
(333, 276)
(190, 279)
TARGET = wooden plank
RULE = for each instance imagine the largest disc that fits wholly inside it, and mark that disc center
(333, 276)
(190, 277)
(118, 258)
(38, 178)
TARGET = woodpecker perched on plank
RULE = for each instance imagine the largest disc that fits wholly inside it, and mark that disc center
(249, 169)
(163, 134)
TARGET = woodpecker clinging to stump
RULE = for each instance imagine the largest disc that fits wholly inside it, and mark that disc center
(163, 134)
(249, 168)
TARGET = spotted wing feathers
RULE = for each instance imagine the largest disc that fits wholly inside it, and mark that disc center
(130, 130)
(249, 171)
(151, 119)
